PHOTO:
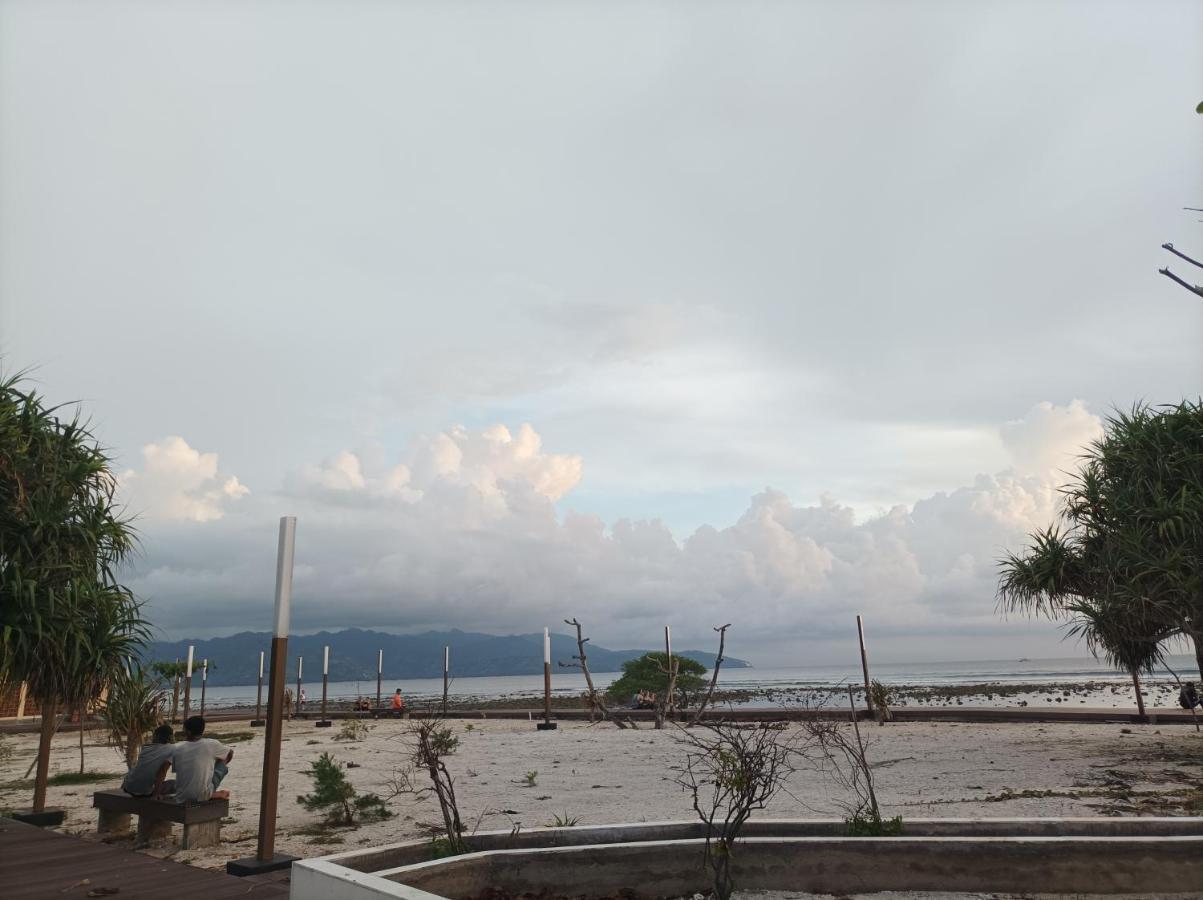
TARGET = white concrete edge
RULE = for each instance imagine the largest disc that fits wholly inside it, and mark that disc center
(317, 879)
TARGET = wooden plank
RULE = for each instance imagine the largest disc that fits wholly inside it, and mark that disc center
(36, 864)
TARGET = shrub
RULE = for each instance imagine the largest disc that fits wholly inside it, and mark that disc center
(352, 730)
(337, 797)
(868, 825)
(647, 673)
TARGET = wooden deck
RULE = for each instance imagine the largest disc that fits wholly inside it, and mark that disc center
(37, 864)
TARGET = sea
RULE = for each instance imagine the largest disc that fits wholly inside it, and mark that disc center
(764, 685)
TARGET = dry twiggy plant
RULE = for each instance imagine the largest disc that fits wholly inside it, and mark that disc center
(730, 772)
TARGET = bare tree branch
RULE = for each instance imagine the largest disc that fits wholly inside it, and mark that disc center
(718, 661)
(597, 703)
(1193, 288)
(1181, 255)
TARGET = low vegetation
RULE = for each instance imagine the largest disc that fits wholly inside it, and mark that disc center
(352, 730)
(335, 796)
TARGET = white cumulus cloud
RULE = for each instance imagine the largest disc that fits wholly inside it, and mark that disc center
(177, 482)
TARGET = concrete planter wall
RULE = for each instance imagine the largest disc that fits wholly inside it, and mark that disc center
(1085, 855)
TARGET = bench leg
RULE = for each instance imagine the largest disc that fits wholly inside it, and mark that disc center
(153, 831)
(109, 822)
(202, 834)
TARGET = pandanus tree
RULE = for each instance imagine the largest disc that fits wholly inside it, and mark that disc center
(1125, 566)
(67, 625)
(134, 706)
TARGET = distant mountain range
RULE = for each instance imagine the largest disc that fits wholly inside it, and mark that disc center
(235, 659)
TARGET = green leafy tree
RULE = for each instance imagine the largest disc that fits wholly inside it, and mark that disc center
(67, 625)
(337, 797)
(133, 708)
(1124, 568)
(650, 673)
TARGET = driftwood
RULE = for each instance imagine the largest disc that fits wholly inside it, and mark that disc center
(718, 661)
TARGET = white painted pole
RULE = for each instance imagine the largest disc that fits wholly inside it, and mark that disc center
(546, 647)
(260, 663)
(326, 660)
(188, 672)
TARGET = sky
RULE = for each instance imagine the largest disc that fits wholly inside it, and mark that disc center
(690, 312)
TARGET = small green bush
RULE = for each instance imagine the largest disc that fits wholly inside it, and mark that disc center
(862, 825)
(337, 797)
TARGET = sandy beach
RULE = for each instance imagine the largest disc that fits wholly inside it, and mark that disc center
(602, 774)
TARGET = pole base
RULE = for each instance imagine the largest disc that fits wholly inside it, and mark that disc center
(47, 818)
(547, 726)
(258, 723)
(323, 723)
(255, 866)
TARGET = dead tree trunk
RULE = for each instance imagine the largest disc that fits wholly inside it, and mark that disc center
(718, 661)
(596, 703)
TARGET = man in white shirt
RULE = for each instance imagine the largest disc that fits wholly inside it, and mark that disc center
(200, 764)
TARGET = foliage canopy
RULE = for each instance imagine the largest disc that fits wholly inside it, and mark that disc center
(649, 673)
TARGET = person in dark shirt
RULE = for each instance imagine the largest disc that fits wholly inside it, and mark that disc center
(146, 778)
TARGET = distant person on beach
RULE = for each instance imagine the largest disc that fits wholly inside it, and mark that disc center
(398, 702)
(200, 765)
(1188, 697)
(146, 778)
(302, 698)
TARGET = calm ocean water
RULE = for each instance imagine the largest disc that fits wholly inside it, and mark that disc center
(1035, 671)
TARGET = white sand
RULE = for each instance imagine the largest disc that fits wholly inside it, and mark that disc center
(603, 774)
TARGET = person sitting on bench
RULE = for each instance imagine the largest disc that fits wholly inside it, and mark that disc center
(146, 778)
(200, 765)
(398, 702)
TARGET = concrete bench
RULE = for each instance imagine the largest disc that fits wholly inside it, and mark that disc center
(201, 820)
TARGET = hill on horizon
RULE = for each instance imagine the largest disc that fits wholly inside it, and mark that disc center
(235, 659)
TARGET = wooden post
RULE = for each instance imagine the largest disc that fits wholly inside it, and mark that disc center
(204, 682)
(547, 724)
(379, 674)
(300, 667)
(188, 687)
(323, 722)
(266, 858)
(446, 670)
(24, 692)
(668, 655)
(864, 662)
(258, 721)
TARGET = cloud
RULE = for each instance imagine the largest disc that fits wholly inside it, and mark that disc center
(1050, 438)
(179, 483)
(463, 530)
(494, 463)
